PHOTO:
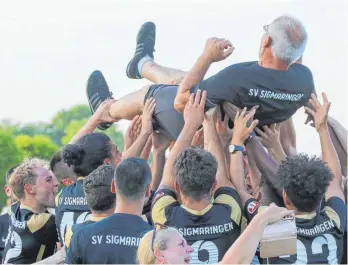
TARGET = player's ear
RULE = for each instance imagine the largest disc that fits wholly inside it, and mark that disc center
(213, 188)
(113, 189)
(148, 191)
(286, 200)
(267, 42)
(176, 187)
(29, 189)
(107, 161)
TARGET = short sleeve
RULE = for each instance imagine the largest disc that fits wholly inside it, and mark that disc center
(72, 252)
(163, 199)
(230, 197)
(251, 208)
(43, 227)
(336, 210)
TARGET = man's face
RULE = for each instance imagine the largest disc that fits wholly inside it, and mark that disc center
(116, 155)
(46, 187)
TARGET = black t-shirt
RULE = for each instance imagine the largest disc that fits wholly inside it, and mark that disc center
(209, 232)
(319, 235)
(32, 237)
(278, 93)
(113, 240)
(72, 208)
(4, 226)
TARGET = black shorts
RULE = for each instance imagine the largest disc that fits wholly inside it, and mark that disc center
(166, 119)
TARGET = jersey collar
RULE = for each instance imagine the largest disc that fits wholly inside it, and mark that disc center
(204, 211)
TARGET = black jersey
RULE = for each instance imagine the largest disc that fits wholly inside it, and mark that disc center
(4, 227)
(113, 240)
(72, 208)
(319, 235)
(209, 232)
(32, 236)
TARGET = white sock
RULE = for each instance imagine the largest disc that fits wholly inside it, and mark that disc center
(142, 61)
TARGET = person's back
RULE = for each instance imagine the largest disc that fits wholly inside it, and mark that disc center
(115, 239)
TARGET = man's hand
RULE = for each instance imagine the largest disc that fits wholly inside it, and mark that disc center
(146, 127)
(270, 137)
(160, 142)
(223, 130)
(320, 112)
(241, 131)
(217, 49)
(231, 110)
(198, 139)
(132, 132)
(102, 114)
(194, 109)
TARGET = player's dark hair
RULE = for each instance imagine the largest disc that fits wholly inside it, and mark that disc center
(59, 168)
(88, 153)
(97, 188)
(10, 171)
(132, 177)
(305, 180)
(195, 170)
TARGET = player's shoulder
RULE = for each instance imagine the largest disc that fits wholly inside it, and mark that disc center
(244, 66)
(4, 221)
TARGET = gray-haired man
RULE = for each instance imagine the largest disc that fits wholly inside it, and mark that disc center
(277, 82)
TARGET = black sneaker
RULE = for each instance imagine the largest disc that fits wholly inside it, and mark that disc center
(97, 92)
(146, 39)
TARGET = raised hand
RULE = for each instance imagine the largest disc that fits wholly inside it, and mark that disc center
(273, 213)
(217, 49)
(241, 130)
(319, 112)
(198, 139)
(132, 132)
(270, 137)
(149, 108)
(194, 109)
(222, 128)
(102, 114)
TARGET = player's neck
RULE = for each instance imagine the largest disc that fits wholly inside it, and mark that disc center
(129, 207)
(33, 205)
(195, 205)
(272, 63)
(102, 214)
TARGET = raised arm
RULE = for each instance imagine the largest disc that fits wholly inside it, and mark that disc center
(193, 116)
(287, 137)
(240, 133)
(146, 130)
(320, 114)
(213, 145)
(100, 116)
(340, 132)
(215, 50)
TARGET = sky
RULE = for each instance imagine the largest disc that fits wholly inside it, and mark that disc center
(49, 48)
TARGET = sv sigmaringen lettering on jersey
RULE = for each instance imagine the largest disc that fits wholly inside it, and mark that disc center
(116, 240)
(73, 201)
(208, 230)
(321, 228)
(260, 93)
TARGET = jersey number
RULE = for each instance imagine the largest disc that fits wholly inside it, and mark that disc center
(317, 248)
(210, 247)
(68, 220)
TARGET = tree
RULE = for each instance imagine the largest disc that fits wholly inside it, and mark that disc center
(38, 146)
(10, 156)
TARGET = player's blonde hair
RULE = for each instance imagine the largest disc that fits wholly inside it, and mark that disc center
(25, 174)
(145, 254)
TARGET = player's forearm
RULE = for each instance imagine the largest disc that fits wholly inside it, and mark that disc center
(193, 78)
(184, 140)
(287, 137)
(329, 154)
(90, 126)
(213, 145)
(266, 165)
(340, 132)
(57, 258)
(243, 249)
(147, 149)
(137, 147)
(277, 153)
(157, 167)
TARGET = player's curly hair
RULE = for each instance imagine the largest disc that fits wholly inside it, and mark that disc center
(305, 180)
(195, 170)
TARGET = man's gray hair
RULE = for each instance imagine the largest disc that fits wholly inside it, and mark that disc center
(289, 38)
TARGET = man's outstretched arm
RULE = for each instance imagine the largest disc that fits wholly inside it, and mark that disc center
(215, 50)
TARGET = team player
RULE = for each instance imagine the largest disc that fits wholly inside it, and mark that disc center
(197, 176)
(33, 234)
(89, 152)
(4, 218)
(275, 82)
(100, 199)
(307, 183)
(115, 239)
